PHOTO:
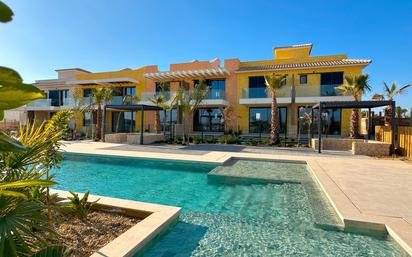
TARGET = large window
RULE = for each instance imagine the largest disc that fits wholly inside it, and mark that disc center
(257, 87)
(58, 97)
(217, 88)
(331, 120)
(87, 119)
(208, 119)
(87, 92)
(171, 118)
(329, 81)
(123, 121)
(260, 119)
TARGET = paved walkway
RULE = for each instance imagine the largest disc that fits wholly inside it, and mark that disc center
(367, 193)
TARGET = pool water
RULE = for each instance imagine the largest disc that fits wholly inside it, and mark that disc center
(222, 217)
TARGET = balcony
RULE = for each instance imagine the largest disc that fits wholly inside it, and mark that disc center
(303, 94)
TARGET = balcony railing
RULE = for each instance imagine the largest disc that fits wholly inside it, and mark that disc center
(300, 91)
(40, 103)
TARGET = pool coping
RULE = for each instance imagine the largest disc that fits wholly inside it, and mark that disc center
(156, 218)
(353, 219)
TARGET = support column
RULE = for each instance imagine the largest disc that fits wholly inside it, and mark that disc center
(141, 125)
(393, 127)
(104, 124)
(320, 129)
(369, 123)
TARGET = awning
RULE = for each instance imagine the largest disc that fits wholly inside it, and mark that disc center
(102, 81)
(177, 75)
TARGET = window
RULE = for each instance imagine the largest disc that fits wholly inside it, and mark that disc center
(331, 78)
(257, 87)
(331, 121)
(54, 96)
(303, 79)
(171, 118)
(217, 88)
(260, 119)
(208, 119)
(87, 119)
(87, 92)
(123, 122)
(129, 91)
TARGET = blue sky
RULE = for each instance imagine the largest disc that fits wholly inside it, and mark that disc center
(100, 35)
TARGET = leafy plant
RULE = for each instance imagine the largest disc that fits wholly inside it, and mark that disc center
(197, 139)
(189, 101)
(356, 87)
(101, 95)
(80, 206)
(274, 83)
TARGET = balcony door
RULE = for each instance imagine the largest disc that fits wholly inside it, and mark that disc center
(257, 87)
(329, 81)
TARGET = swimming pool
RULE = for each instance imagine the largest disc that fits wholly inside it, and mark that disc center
(223, 216)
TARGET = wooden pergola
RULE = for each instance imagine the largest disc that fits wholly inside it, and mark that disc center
(354, 105)
(130, 107)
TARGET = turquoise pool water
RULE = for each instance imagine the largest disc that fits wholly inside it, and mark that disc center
(221, 217)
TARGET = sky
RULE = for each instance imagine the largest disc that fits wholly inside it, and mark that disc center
(104, 35)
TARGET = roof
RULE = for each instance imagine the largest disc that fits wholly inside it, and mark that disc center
(78, 69)
(133, 107)
(303, 65)
(100, 81)
(171, 75)
(353, 104)
(294, 46)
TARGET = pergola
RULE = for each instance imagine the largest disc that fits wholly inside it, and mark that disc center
(131, 107)
(354, 105)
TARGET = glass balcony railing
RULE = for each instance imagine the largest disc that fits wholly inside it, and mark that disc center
(40, 103)
(147, 96)
(216, 94)
(300, 91)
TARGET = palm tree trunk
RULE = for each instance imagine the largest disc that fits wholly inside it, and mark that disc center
(388, 115)
(157, 122)
(99, 122)
(354, 125)
(275, 123)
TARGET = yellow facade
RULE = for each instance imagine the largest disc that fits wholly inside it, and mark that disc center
(137, 74)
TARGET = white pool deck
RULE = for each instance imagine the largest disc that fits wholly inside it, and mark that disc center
(366, 192)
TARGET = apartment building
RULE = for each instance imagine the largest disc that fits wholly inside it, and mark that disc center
(232, 82)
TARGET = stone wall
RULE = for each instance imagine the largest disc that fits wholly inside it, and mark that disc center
(371, 148)
(338, 144)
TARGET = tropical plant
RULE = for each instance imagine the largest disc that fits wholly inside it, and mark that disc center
(159, 100)
(168, 106)
(274, 83)
(189, 102)
(355, 86)
(389, 93)
(23, 163)
(80, 206)
(101, 95)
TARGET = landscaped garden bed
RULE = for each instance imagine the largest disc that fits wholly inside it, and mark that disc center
(87, 236)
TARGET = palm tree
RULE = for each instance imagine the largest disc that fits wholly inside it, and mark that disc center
(389, 92)
(355, 86)
(189, 102)
(101, 95)
(274, 83)
(158, 100)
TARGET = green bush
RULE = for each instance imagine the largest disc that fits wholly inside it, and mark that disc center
(232, 139)
(197, 139)
(80, 206)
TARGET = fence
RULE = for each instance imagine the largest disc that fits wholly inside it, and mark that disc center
(383, 133)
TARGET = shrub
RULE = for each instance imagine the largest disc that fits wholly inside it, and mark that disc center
(80, 207)
(197, 139)
(232, 139)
